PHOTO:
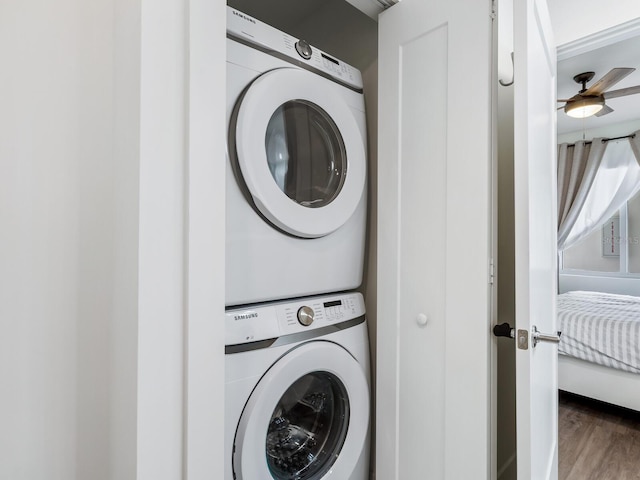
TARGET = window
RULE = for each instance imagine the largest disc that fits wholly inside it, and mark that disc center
(594, 253)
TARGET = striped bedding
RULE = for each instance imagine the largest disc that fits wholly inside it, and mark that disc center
(601, 328)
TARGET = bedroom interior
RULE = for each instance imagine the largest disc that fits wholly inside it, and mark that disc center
(594, 258)
(599, 269)
(589, 44)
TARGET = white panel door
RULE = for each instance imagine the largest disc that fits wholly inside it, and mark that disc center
(434, 239)
(535, 237)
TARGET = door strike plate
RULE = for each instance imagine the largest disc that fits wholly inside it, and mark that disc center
(523, 339)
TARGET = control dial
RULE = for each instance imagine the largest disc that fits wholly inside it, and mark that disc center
(305, 316)
(304, 49)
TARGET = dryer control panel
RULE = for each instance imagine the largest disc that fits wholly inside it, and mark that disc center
(273, 320)
(247, 29)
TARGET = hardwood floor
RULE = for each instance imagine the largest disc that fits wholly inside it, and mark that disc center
(597, 441)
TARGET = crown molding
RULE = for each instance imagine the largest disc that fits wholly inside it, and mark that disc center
(599, 39)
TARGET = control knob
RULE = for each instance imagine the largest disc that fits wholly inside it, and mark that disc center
(304, 49)
(305, 316)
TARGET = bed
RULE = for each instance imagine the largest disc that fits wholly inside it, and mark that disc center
(600, 346)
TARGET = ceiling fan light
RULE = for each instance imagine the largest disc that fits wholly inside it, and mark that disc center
(585, 107)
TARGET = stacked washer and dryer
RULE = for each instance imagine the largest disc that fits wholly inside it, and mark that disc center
(297, 352)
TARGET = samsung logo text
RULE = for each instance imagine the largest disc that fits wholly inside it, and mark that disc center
(244, 17)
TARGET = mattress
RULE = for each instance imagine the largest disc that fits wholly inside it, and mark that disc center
(602, 328)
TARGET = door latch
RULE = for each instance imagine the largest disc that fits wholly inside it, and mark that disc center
(523, 340)
(505, 330)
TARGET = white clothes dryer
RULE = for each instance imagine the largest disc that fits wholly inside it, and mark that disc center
(296, 173)
(297, 395)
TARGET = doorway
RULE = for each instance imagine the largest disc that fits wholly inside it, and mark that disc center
(592, 433)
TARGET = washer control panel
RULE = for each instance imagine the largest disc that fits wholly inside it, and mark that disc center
(273, 320)
(298, 51)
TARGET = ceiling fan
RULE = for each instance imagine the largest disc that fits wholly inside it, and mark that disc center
(591, 101)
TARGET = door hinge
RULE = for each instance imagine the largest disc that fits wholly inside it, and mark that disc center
(493, 10)
(492, 271)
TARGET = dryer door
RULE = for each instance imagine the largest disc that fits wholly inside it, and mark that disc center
(308, 416)
(300, 151)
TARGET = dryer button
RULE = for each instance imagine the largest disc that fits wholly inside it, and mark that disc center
(305, 316)
(304, 49)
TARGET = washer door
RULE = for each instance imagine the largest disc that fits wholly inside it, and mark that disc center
(300, 152)
(308, 417)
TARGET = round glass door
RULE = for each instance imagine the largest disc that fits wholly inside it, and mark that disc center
(300, 151)
(307, 416)
(306, 154)
(307, 428)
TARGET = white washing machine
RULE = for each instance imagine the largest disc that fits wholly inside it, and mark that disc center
(296, 173)
(297, 390)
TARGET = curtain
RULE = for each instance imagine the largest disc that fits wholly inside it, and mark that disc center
(635, 145)
(616, 180)
(577, 168)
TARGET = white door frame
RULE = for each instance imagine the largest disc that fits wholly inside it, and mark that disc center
(205, 238)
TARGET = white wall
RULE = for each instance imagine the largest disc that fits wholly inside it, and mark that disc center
(615, 130)
(633, 212)
(122, 433)
(94, 93)
(56, 264)
(69, 252)
(587, 254)
(574, 19)
(103, 115)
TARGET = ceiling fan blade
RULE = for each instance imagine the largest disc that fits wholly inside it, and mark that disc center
(608, 81)
(605, 110)
(560, 108)
(563, 100)
(622, 92)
